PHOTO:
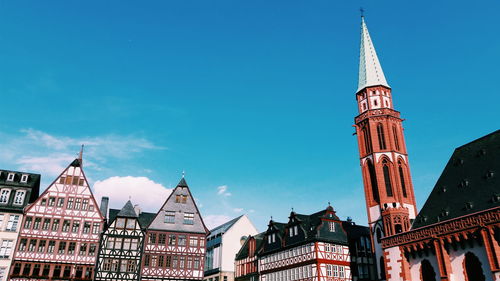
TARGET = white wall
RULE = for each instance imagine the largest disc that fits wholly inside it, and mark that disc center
(457, 262)
(416, 265)
(231, 241)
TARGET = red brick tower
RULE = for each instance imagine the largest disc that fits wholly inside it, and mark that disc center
(390, 200)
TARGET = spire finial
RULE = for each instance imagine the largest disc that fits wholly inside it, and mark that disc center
(362, 11)
(80, 155)
(183, 173)
(329, 204)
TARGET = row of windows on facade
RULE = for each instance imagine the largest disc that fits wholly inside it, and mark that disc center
(380, 137)
(301, 250)
(67, 225)
(294, 231)
(246, 268)
(12, 222)
(125, 244)
(18, 197)
(50, 246)
(11, 177)
(174, 240)
(117, 265)
(374, 93)
(72, 203)
(303, 272)
(56, 272)
(180, 198)
(72, 180)
(170, 217)
(171, 262)
(387, 179)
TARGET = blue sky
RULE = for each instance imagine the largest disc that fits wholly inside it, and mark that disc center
(253, 99)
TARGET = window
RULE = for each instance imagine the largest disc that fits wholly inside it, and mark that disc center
(168, 261)
(162, 238)
(366, 138)
(387, 178)
(402, 179)
(146, 260)
(177, 198)
(130, 223)
(62, 180)
(69, 205)
(12, 223)
(43, 202)
(373, 180)
(41, 246)
(62, 247)
(329, 270)
(130, 266)
(86, 227)
(78, 202)
(196, 263)
(335, 271)
(46, 224)
(55, 225)
(174, 262)
(381, 136)
(36, 224)
(341, 271)
(169, 217)
(3, 271)
(123, 266)
(6, 248)
(184, 199)
(32, 245)
(188, 218)
(85, 204)
(96, 228)
(27, 269)
(126, 243)
(182, 240)
(22, 245)
(57, 271)
(76, 227)
(396, 140)
(71, 248)
(92, 249)
(46, 270)
(83, 249)
(4, 196)
(66, 225)
(331, 226)
(134, 244)
(60, 202)
(172, 240)
(152, 238)
(189, 263)
(120, 223)
(182, 261)
(193, 241)
(51, 247)
(10, 177)
(19, 197)
(75, 180)
(27, 222)
(52, 201)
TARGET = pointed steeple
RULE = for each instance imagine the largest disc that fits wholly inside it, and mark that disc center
(127, 211)
(370, 70)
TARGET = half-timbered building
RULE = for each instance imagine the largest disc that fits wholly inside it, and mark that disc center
(176, 239)
(308, 247)
(60, 231)
(17, 189)
(246, 262)
(121, 247)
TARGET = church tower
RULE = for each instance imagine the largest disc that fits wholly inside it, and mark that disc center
(390, 200)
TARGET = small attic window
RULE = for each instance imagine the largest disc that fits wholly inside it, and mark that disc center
(464, 183)
(459, 161)
(481, 152)
(10, 177)
(469, 205)
(444, 213)
(24, 178)
(443, 188)
(489, 174)
(495, 198)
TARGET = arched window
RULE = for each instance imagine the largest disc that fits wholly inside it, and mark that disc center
(428, 273)
(378, 234)
(366, 138)
(387, 178)
(373, 181)
(398, 228)
(382, 268)
(473, 269)
(396, 140)
(402, 179)
(381, 136)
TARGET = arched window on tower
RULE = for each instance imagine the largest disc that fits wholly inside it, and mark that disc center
(381, 136)
(396, 140)
(473, 268)
(387, 177)
(366, 138)
(402, 178)
(373, 181)
(427, 271)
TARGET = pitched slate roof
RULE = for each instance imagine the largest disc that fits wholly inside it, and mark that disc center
(127, 211)
(221, 229)
(370, 70)
(144, 218)
(243, 252)
(470, 183)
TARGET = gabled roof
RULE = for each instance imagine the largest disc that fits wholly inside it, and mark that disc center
(244, 251)
(221, 229)
(180, 209)
(370, 70)
(127, 211)
(470, 183)
(144, 217)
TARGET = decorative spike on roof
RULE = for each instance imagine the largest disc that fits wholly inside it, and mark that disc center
(370, 70)
(182, 183)
(127, 211)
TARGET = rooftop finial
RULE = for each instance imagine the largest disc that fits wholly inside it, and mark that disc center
(362, 11)
(183, 173)
(329, 204)
(80, 155)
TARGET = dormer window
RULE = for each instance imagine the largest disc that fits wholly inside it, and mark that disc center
(19, 197)
(4, 196)
(24, 178)
(10, 177)
(331, 226)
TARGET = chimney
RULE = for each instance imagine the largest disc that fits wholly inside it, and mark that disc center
(104, 206)
(137, 209)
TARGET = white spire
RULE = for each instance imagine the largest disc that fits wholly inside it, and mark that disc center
(370, 71)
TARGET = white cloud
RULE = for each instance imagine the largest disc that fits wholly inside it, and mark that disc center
(141, 190)
(212, 221)
(222, 190)
(238, 210)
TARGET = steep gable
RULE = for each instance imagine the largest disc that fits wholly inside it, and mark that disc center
(179, 213)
